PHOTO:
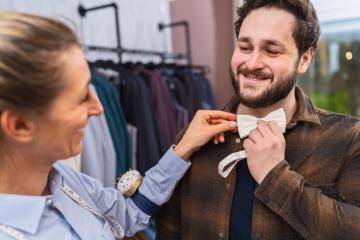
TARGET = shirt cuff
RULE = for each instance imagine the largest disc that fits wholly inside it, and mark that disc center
(144, 204)
(173, 165)
(160, 181)
(278, 185)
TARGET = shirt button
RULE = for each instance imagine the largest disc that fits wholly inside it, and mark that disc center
(228, 185)
(48, 202)
(220, 235)
(238, 140)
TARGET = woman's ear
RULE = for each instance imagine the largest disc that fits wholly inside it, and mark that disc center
(16, 127)
(305, 60)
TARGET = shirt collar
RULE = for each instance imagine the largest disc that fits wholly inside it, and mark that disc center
(21, 211)
(56, 180)
(305, 110)
(24, 212)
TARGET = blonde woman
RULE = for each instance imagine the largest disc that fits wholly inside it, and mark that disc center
(45, 103)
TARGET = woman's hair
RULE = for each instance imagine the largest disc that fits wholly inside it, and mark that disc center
(31, 68)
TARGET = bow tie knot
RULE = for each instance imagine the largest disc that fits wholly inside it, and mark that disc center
(246, 124)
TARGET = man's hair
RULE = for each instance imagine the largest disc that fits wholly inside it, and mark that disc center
(307, 30)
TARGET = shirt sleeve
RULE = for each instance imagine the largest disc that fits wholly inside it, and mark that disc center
(160, 181)
(306, 208)
(156, 188)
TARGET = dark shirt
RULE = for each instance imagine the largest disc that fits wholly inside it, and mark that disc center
(241, 212)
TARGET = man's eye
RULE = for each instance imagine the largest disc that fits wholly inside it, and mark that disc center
(244, 49)
(272, 52)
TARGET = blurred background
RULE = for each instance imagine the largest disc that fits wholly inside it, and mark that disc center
(332, 80)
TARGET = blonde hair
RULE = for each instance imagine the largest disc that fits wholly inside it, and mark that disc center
(30, 66)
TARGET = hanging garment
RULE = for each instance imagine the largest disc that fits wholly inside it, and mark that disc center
(161, 98)
(189, 97)
(132, 131)
(181, 113)
(98, 156)
(204, 89)
(139, 111)
(115, 118)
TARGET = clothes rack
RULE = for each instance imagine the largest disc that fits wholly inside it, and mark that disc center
(119, 49)
(186, 26)
(188, 56)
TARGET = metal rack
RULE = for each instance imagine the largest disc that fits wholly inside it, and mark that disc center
(119, 50)
(186, 26)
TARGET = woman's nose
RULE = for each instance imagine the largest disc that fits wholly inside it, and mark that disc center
(96, 107)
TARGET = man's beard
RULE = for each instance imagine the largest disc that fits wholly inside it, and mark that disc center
(271, 95)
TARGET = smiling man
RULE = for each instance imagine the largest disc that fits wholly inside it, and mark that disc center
(297, 181)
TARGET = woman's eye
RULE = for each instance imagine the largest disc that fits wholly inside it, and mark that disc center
(87, 96)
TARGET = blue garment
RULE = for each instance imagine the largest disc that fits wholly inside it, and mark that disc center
(116, 121)
(139, 111)
(203, 87)
(60, 217)
(98, 155)
(242, 207)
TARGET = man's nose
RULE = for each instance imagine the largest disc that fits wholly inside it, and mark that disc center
(255, 61)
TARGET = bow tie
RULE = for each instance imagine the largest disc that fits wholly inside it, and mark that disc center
(246, 123)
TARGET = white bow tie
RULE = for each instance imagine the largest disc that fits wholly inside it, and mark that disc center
(246, 123)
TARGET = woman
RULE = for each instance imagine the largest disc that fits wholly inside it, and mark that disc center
(45, 103)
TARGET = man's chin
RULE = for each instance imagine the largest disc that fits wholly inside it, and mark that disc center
(253, 98)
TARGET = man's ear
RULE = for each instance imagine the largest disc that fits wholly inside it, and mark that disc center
(16, 127)
(305, 60)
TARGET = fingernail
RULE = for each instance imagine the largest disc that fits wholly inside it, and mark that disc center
(233, 124)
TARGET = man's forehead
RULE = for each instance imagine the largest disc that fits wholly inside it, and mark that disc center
(274, 42)
(268, 24)
(269, 18)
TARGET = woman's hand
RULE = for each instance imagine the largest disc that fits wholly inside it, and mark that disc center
(206, 124)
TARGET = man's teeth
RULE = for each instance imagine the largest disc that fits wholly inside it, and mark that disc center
(252, 76)
(256, 77)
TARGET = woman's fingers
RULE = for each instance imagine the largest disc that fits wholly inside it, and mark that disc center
(217, 114)
(219, 129)
(206, 125)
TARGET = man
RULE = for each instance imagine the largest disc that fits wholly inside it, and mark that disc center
(303, 184)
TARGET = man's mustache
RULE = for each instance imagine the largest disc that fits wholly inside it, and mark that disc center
(258, 74)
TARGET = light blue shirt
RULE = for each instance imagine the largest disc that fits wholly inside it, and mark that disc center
(60, 217)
